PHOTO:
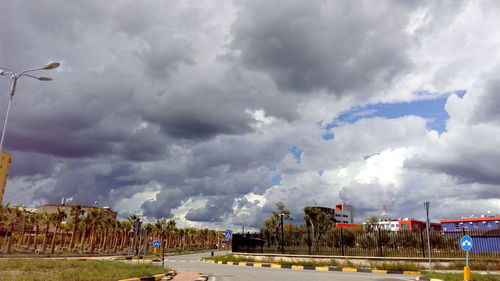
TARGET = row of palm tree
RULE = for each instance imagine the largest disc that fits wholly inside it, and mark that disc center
(93, 232)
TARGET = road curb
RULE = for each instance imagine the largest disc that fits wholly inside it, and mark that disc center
(202, 278)
(420, 278)
(320, 268)
(156, 277)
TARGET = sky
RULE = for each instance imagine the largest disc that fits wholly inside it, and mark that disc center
(211, 112)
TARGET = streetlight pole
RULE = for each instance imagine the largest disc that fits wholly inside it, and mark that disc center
(428, 225)
(282, 235)
(15, 77)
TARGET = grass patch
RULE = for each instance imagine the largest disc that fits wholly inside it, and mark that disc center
(68, 270)
(489, 265)
(460, 276)
(401, 266)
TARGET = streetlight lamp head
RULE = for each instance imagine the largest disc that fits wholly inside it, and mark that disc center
(51, 65)
(44, 78)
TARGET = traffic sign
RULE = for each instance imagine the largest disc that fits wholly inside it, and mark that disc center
(156, 244)
(466, 243)
(228, 235)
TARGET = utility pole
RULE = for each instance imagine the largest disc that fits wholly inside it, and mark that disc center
(282, 235)
(428, 225)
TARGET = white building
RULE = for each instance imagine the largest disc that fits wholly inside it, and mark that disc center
(343, 213)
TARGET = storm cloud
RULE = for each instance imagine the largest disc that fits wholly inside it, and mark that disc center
(194, 110)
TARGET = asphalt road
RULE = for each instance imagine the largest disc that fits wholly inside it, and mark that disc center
(223, 272)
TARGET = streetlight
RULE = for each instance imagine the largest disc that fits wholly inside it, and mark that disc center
(428, 225)
(282, 235)
(15, 76)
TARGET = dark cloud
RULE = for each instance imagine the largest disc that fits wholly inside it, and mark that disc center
(488, 109)
(161, 99)
(313, 45)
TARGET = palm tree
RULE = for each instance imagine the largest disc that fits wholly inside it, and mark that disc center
(58, 217)
(31, 220)
(37, 222)
(65, 227)
(136, 222)
(3, 212)
(124, 227)
(84, 228)
(76, 212)
(95, 218)
(107, 223)
(46, 220)
(170, 230)
(13, 216)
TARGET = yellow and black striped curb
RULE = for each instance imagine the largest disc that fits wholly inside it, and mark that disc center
(420, 278)
(136, 259)
(319, 268)
(151, 278)
(202, 278)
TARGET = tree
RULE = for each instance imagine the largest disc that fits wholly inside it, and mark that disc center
(76, 212)
(170, 231)
(38, 218)
(371, 223)
(95, 217)
(318, 222)
(46, 220)
(136, 223)
(57, 219)
(13, 215)
(272, 225)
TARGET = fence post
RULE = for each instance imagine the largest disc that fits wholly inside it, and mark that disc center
(422, 243)
(309, 240)
(342, 241)
(380, 243)
(262, 241)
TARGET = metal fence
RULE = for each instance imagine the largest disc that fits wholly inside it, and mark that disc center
(375, 243)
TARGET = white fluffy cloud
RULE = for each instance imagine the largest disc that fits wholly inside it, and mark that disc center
(198, 105)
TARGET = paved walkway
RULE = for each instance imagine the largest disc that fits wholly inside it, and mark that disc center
(185, 276)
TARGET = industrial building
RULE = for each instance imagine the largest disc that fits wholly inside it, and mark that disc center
(342, 213)
(471, 223)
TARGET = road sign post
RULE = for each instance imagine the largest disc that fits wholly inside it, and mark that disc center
(466, 245)
(156, 244)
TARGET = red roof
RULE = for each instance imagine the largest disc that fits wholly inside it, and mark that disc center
(472, 219)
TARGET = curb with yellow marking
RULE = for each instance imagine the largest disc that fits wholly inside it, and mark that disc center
(319, 268)
(155, 277)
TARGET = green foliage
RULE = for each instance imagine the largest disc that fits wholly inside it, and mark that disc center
(318, 222)
(403, 266)
(59, 270)
(490, 265)
(460, 276)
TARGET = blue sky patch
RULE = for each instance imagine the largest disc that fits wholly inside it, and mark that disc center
(297, 153)
(430, 108)
(328, 136)
(276, 180)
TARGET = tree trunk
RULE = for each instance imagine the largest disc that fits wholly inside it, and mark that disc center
(82, 242)
(11, 237)
(92, 239)
(73, 235)
(36, 237)
(53, 244)
(44, 245)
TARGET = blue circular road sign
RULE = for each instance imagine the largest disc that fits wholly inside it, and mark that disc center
(156, 244)
(466, 243)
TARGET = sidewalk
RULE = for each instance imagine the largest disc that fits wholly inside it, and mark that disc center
(186, 276)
